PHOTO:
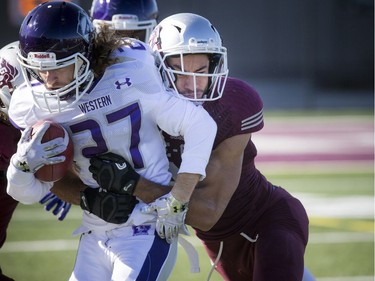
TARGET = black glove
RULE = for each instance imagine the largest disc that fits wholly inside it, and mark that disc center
(111, 207)
(114, 173)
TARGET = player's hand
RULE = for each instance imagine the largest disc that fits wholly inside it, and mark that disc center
(111, 207)
(32, 154)
(61, 208)
(171, 215)
(113, 173)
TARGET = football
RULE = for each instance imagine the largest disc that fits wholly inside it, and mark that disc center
(55, 172)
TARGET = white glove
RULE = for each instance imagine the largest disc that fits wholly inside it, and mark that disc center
(171, 215)
(31, 154)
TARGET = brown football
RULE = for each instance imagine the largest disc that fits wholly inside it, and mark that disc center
(55, 172)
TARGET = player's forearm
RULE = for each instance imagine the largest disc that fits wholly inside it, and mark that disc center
(24, 187)
(210, 199)
(202, 210)
(149, 191)
(184, 186)
(69, 188)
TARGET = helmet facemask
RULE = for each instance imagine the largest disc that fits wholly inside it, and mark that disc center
(188, 34)
(217, 74)
(56, 100)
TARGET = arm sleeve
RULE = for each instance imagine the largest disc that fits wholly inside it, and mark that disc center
(198, 129)
(199, 135)
(24, 187)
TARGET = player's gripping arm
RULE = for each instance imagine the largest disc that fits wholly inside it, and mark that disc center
(199, 131)
(31, 155)
(211, 196)
(69, 188)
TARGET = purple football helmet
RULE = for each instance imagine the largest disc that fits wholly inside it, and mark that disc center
(132, 18)
(52, 36)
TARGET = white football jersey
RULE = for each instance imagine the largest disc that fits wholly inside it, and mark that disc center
(122, 113)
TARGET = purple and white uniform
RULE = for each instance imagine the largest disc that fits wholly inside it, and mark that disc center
(122, 113)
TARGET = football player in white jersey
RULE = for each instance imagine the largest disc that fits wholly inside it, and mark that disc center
(109, 104)
(134, 19)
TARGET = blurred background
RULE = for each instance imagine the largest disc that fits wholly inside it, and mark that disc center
(297, 53)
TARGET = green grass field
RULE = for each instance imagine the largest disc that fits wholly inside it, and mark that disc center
(41, 248)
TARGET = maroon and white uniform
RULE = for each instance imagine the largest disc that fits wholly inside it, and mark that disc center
(263, 231)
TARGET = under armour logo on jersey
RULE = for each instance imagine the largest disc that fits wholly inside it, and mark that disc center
(123, 82)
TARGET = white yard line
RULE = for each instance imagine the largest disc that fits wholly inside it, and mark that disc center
(40, 246)
(351, 206)
(315, 167)
(347, 278)
(72, 244)
(340, 237)
(317, 205)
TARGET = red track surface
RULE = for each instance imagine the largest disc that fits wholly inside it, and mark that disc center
(323, 139)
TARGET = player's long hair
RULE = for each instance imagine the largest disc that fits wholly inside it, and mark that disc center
(105, 42)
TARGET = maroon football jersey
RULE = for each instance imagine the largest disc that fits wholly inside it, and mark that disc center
(238, 111)
(8, 144)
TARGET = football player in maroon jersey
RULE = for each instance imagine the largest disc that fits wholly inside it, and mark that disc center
(251, 228)
(10, 77)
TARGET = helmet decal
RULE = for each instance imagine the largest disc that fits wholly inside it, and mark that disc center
(155, 39)
(8, 73)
